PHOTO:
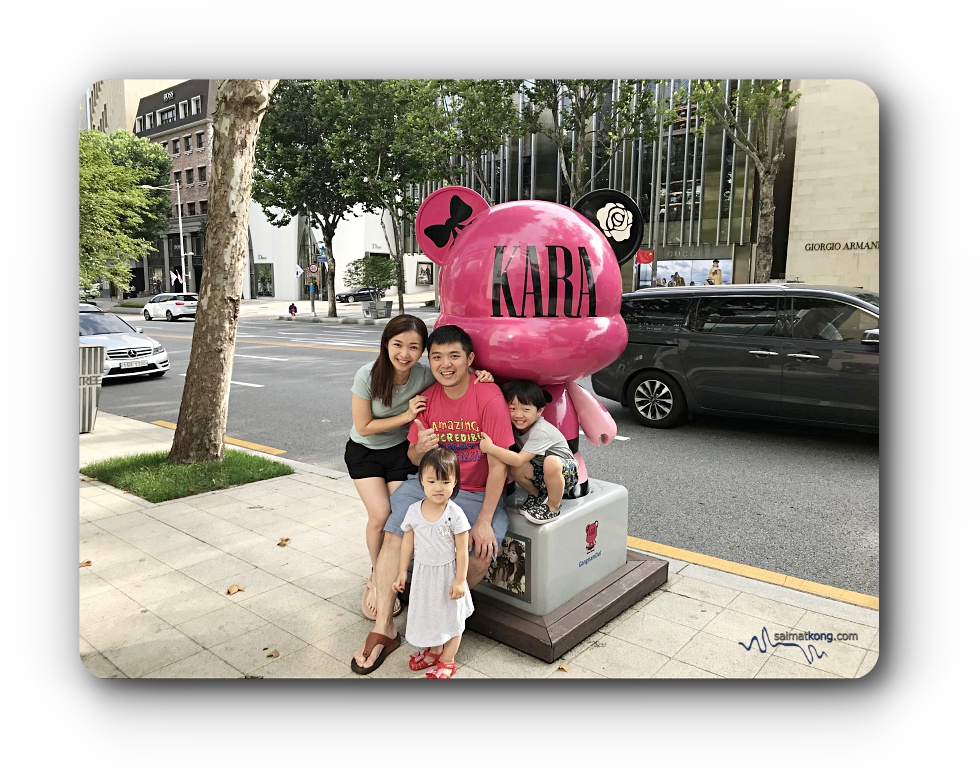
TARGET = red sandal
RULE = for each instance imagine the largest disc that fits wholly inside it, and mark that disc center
(418, 660)
(442, 671)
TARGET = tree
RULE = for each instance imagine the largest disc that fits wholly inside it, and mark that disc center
(156, 168)
(375, 271)
(296, 172)
(587, 112)
(239, 108)
(392, 133)
(482, 114)
(753, 115)
(117, 219)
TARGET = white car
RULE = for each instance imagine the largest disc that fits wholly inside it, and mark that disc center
(172, 306)
(128, 352)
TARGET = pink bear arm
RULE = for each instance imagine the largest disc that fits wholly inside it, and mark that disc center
(597, 424)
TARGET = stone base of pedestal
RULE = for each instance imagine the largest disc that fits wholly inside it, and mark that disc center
(550, 636)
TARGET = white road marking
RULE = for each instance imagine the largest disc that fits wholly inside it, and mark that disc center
(244, 384)
(260, 357)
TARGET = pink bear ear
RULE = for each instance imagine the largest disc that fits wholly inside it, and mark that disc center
(441, 218)
(618, 218)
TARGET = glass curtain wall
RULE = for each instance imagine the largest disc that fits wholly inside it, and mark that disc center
(694, 189)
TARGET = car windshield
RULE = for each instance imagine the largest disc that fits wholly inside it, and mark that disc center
(92, 324)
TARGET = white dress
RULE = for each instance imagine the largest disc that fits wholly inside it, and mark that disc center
(434, 617)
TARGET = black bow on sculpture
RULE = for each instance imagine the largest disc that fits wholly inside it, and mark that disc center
(458, 211)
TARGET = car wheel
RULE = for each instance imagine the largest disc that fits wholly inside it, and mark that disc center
(170, 316)
(656, 400)
(350, 299)
(146, 315)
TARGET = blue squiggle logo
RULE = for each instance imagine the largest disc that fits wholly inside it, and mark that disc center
(762, 644)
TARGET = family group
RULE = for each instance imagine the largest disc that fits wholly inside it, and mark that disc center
(431, 450)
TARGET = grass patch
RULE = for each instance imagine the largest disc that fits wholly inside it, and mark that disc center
(149, 476)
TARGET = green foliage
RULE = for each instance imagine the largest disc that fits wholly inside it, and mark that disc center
(376, 271)
(590, 111)
(482, 115)
(766, 102)
(152, 478)
(117, 218)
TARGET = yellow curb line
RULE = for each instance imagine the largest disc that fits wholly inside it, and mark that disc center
(228, 440)
(742, 570)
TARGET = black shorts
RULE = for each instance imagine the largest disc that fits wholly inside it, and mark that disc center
(391, 464)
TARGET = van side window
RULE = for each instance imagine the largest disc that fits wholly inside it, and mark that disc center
(655, 311)
(824, 319)
(730, 315)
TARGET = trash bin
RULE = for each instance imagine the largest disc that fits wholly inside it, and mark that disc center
(91, 362)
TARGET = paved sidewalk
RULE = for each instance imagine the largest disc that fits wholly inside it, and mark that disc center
(154, 602)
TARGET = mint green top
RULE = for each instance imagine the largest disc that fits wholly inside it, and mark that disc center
(419, 378)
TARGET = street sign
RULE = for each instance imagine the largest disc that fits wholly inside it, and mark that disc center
(312, 268)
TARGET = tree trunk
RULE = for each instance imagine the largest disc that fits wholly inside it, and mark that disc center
(203, 417)
(767, 213)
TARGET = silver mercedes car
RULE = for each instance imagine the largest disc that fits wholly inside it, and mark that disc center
(128, 351)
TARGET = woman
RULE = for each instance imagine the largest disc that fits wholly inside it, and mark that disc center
(386, 397)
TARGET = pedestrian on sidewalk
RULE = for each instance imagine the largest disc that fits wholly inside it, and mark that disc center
(292, 309)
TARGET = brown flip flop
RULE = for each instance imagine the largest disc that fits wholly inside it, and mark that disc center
(388, 646)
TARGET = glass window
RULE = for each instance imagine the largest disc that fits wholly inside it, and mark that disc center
(200, 140)
(139, 124)
(191, 209)
(655, 311)
(183, 109)
(177, 178)
(824, 319)
(176, 145)
(196, 105)
(730, 315)
(189, 173)
(187, 143)
(202, 173)
(204, 206)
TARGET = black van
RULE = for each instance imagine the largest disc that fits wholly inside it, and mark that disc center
(793, 352)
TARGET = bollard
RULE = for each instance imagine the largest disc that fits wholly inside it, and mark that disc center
(90, 366)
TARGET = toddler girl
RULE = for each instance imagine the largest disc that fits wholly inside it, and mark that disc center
(437, 532)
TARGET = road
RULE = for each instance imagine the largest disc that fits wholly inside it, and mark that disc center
(793, 500)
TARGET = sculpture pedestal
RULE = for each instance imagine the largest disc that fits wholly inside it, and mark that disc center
(550, 636)
(577, 575)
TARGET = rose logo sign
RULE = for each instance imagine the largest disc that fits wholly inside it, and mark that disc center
(615, 221)
(538, 287)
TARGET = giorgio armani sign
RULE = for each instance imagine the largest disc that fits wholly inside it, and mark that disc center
(838, 246)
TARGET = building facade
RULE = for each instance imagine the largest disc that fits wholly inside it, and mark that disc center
(696, 193)
(834, 221)
(113, 104)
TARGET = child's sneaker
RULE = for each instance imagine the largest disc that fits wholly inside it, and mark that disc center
(528, 506)
(542, 513)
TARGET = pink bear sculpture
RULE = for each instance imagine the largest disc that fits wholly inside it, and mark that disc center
(538, 288)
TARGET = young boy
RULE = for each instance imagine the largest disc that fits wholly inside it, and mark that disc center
(545, 467)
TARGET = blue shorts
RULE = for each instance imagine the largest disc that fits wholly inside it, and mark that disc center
(410, 491)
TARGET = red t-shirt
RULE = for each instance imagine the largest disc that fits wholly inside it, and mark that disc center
(458, 425)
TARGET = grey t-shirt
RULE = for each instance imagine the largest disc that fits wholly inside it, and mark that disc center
(542, 439)
(419, 379)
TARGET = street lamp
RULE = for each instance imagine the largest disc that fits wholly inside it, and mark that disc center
(180, 228)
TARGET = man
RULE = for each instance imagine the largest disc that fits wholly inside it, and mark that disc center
(457, 411)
